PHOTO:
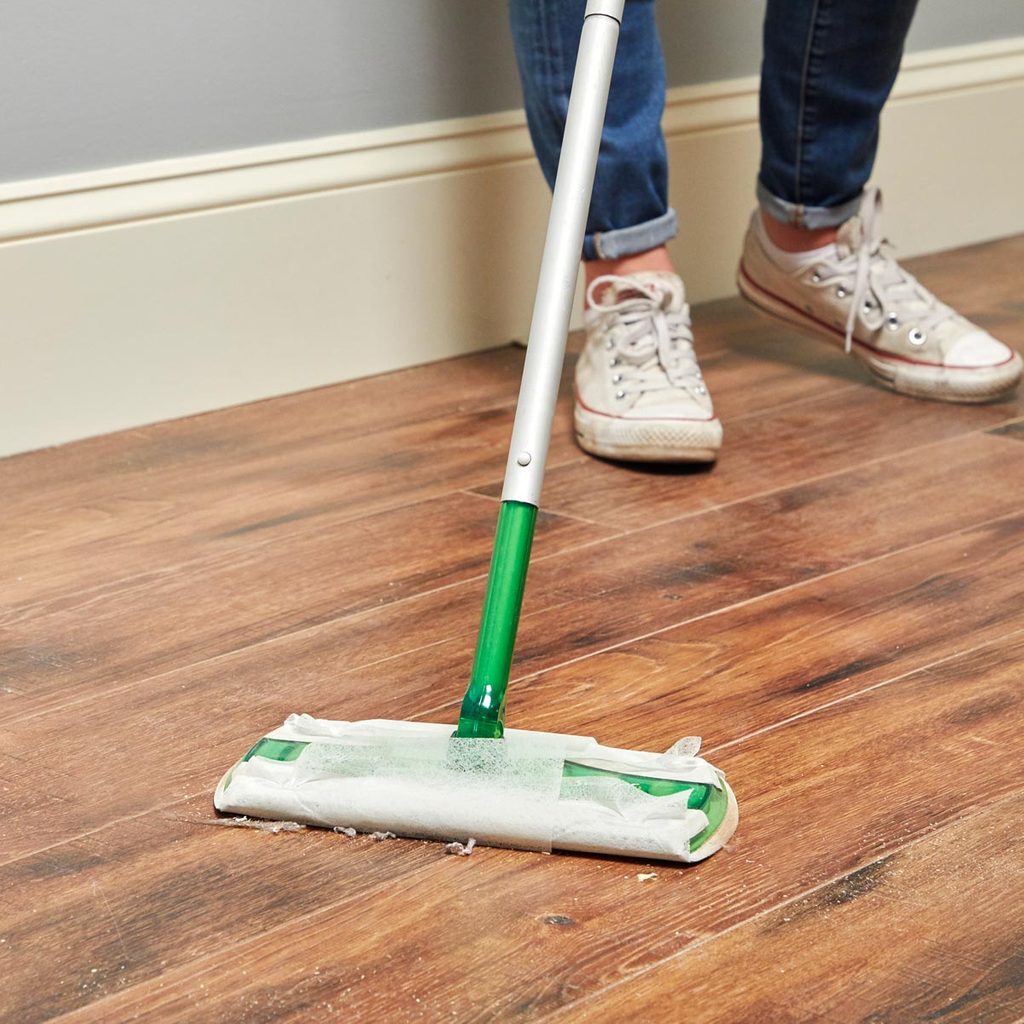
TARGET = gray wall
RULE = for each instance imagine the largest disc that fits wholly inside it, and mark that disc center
(105, 82)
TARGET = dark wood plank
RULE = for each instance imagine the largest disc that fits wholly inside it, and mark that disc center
(193, 511)
(619, 591)
(729, 674)
(123, 905)
(284, 579)
(178, 494)
(811, 813)
(933, 932)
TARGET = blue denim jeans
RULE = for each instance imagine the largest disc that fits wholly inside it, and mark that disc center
(827, 71)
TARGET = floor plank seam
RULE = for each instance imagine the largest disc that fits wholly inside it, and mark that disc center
(99, 828)
(185, 969)
(860, 693)
(515, 680)
(788, 588)
(581, 458)
(471, 490)
(807, 481)
(122, 583)
(793, 403)
(339, 620)
(929, 833)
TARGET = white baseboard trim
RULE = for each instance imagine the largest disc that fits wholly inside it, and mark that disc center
(122, 195)
(156, 290)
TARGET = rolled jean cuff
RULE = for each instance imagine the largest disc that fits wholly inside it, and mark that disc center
(810, 217)
(621, 242)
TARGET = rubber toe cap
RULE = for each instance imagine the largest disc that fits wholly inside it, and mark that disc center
(976, 350)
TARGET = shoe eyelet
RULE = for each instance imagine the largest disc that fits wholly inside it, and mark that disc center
(614, 361)
(816, 277)
(916, 337)
(617, 379)
(868, 306)
(701, 390)
(609, 344)
(620, 394)
(892, 321)
(841, 292)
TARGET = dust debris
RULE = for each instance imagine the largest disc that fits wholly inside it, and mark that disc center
(344, 831)
(646, 876)
(256, 823)
(460, 849)
(379, 837)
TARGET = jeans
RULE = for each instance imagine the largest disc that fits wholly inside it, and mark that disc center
(827, 71)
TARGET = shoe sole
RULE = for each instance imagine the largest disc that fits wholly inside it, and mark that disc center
(651, 440)
(965, 384)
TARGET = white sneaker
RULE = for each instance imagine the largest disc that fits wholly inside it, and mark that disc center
(639, 391)
(854, 294)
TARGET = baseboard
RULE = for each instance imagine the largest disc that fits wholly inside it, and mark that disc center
(141, 293)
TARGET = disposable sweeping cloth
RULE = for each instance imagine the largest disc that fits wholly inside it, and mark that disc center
(414, 779)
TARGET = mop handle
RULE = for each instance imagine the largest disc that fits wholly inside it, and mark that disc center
(483, 707)
(559, 268)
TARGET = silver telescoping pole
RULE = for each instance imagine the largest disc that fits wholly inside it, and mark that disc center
(559, 266)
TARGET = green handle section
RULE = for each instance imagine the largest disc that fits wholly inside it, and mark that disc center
(483, 708)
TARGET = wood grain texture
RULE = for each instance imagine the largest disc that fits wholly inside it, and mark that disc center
(836, 608)
(181, 495)
(810, 815)
(645, 580)
(932, 932)
(278, 581)
(728, 673)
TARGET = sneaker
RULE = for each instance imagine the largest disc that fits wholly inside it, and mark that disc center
(855, 294)
(639, 392)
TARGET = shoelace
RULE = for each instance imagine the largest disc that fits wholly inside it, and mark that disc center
(656, 348)
(895, 287)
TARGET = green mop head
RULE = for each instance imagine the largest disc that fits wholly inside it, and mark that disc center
(530, 790)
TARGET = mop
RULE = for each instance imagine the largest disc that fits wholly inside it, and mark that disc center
(479, 781)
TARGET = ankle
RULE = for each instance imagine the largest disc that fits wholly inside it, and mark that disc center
(793, 239)
(653, 259)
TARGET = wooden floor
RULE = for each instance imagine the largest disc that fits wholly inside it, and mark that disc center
(836, 607)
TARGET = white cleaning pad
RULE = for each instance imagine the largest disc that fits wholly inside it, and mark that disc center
(411, 778)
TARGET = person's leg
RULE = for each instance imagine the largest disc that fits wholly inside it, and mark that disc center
(639, 391)
(813, 255)
(630, 219)
(827, 71)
